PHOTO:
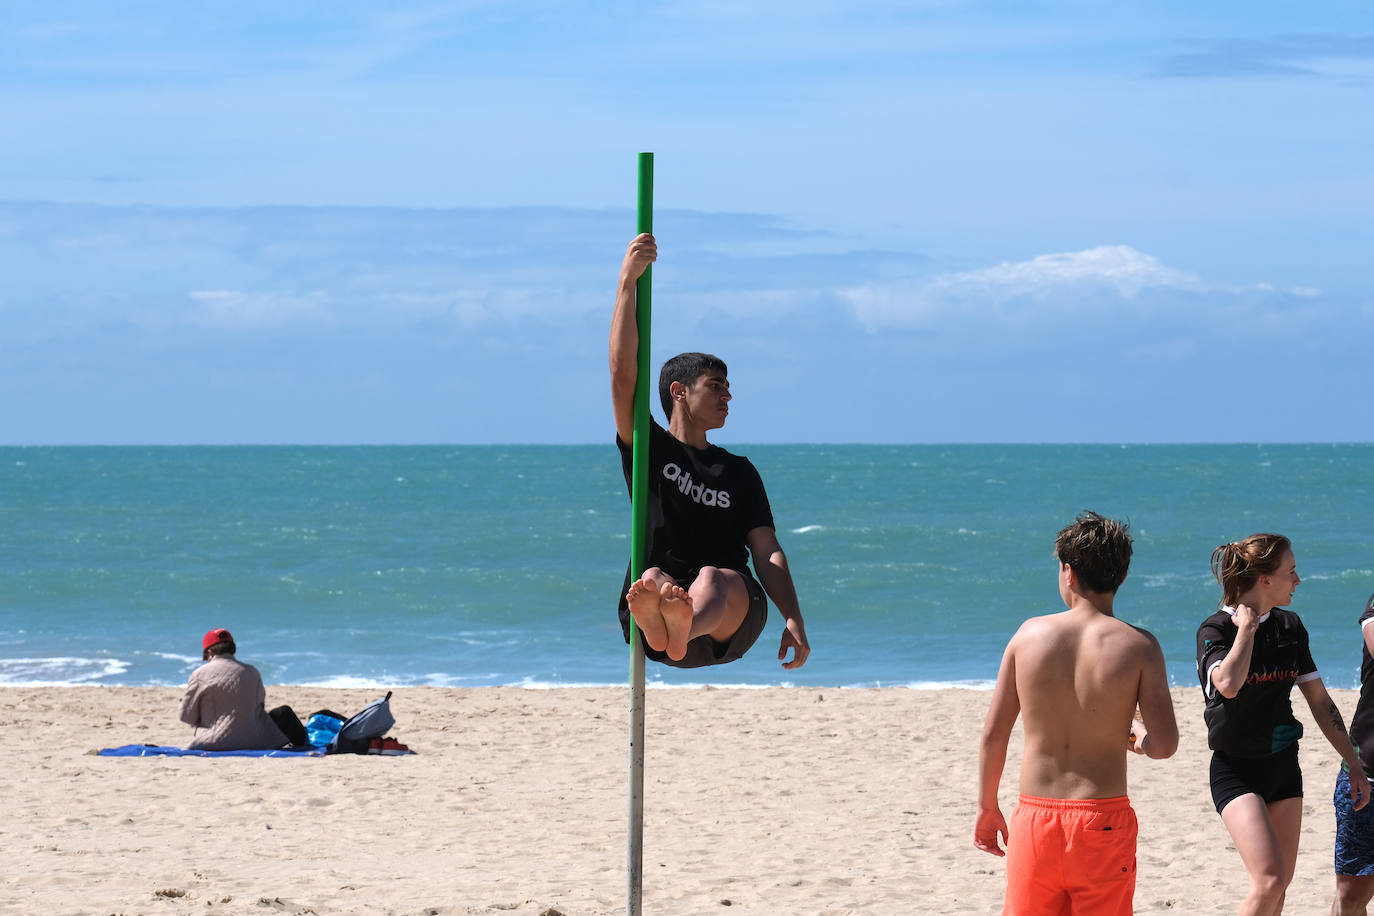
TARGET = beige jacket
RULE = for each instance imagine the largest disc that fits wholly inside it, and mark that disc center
(225, 702)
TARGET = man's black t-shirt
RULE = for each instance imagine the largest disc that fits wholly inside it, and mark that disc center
(1257, 721)
(1362, 725)
(702, 504)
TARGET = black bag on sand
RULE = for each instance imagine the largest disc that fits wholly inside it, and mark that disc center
(290, 725)
(373, 721)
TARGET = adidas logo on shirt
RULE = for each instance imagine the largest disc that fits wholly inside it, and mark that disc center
(698, 493)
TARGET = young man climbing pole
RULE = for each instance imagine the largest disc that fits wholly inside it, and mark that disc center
(697, 603)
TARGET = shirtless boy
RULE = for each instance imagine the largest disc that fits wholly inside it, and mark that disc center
(697, 604)
(1079, 678)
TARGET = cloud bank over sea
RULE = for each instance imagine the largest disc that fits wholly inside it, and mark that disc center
(385, 324)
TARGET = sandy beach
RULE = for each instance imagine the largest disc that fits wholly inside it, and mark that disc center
(771, 801)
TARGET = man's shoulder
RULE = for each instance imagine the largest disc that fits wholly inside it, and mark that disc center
(227, 666)
(1074, 620)
(1036, 634)
(721, 453)
(212, 671)
(1040, 622)
(656, 432)
(1103, 630)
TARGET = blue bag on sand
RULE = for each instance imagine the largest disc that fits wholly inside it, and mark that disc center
(373, 721)
(323, 727)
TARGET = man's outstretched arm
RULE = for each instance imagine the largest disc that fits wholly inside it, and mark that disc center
(775, 576)
(642, 252)
(992, 755)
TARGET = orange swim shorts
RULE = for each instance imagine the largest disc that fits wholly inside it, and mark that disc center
(1071, 856)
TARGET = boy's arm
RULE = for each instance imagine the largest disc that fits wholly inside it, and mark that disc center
(776, 578)
(625, 335)
(1157, 732)
(1329, 720)
(992, 755)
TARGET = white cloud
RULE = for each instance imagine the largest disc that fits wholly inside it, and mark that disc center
(464, 307)
(1066, 281)
(237, 309)
(1119, 267)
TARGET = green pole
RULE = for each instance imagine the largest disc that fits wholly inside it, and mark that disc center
(639, 547)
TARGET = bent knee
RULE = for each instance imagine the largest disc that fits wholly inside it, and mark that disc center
(1347, 902)
(708, 577)
(719, 580)
(1353, 895)
(1269, 885)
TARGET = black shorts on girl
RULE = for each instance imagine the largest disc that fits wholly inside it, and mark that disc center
(1272, 778)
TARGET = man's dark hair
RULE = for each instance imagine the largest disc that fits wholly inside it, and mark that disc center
(1098, 550)
(685, 368)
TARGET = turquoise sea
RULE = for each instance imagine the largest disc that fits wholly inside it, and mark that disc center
(487, 565)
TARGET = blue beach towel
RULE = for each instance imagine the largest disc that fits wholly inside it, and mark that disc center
(159, 750)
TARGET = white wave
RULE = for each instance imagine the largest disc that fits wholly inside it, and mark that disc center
(58, 672)
(350, 681)
(659, 685)
(952, 685)
(977, 684)
(530, 683)
(807, 529)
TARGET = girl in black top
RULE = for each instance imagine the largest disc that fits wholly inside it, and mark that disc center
(1250, 653)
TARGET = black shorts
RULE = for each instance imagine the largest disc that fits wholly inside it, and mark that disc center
(704, 650)
(1272, 778)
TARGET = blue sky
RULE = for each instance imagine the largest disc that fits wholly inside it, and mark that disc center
(898, 222)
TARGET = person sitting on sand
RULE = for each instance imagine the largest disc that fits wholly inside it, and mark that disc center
(1078, 678)
(697, 603)
(225, 702)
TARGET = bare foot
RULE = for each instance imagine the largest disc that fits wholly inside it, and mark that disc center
(675, 609)
(643, 599)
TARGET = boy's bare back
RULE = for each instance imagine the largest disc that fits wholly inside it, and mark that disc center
(1079, 677)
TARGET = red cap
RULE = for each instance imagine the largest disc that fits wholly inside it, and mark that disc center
(214, 637)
